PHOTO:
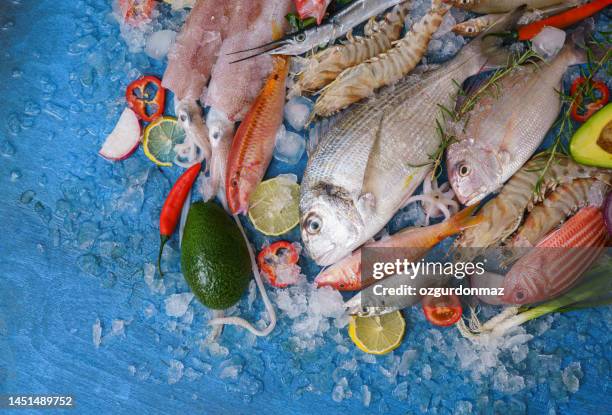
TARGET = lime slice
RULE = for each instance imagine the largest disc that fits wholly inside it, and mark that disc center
(378, 335)
(159, 140)
(273, 207)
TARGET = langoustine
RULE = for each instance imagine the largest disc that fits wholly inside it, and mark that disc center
(558, 261)
(503, 215)
(252, 147)
(416, 242)
(323, 67)
(360, 81)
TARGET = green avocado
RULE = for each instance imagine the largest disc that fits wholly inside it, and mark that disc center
(214, 257)
(592, 143)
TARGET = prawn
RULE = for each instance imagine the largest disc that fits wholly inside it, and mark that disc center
(323, 67)
(360, 81)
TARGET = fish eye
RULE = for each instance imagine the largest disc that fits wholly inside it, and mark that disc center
(300, 37)
(464, 170)
(470, 30)
(519, 295)
(312, 225)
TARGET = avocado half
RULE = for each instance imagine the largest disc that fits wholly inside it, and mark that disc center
(592, 143)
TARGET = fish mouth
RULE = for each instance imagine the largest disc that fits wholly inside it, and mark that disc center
(326, 258)
(472, 199)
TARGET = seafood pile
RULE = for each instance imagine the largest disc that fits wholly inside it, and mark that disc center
(388, 125)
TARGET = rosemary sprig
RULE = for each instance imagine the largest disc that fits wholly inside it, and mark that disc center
(491, 86)
(564, 125)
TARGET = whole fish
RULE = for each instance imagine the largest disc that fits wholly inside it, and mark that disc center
(561, 203)
(503, 130)
(337, 26)
(558, 260)
(253, 145)
(234, 85)
(503, 215)
(500, 6)
(346, 274)
(374, 156)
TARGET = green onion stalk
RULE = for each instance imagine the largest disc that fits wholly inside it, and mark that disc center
(586, 295)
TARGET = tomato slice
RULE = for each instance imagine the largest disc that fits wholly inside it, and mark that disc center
(442, 311)
(279, 255)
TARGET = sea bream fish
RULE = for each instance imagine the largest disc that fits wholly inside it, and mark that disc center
(375, 155)
(500, 6)
(504, 129)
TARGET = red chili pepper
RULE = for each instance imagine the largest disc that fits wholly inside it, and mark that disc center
(592, 107)
(442, 311)
(270, 257)
(140, 99)
(171, 211)
(136, 11)
(562, 20)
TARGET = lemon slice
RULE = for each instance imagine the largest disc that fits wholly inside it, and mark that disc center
(273, 207)
(159, 140)
(378, 335)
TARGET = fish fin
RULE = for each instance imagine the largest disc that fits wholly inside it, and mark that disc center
(490, 43)
(366, 204)
(463, 219)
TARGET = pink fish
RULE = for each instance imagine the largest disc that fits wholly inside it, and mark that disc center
(312, 8)
(252, 147)
(234, 86)
(195, 52)
(558, 261)
(345, 275)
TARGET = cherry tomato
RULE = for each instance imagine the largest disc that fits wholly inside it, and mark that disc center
(442, 311)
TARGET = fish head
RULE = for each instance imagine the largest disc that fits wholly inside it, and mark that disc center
(520, 284)
(330, 226)
(472, 171)
(301, 42)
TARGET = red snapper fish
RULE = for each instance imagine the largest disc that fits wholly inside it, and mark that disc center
(558, 261)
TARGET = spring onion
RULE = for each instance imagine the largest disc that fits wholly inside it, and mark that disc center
(588, 294)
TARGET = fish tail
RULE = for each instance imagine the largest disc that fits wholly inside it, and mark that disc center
(490, 44)
(463, 220)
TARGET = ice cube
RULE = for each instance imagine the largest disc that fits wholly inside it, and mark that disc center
(401, 391)
(548, 42)
(447, 24)
(177, 304)
(571, 377)
(118, 328)
(159, 43)
(289, 146)
(96, 333)
(175, 371)
(297, 112)
(463, 408)
(367, 395)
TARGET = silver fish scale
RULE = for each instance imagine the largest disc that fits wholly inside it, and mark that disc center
(377, 147)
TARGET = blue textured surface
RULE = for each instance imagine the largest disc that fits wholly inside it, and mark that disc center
(77, 231)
